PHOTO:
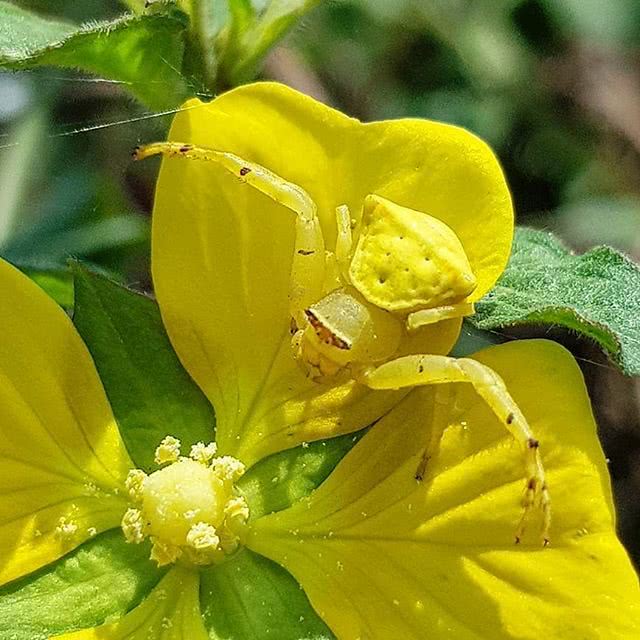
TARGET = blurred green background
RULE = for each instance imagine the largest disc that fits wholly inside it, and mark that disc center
(552, 85)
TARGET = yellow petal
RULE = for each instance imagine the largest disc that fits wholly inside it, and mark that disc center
(382, 556)
(222, 252)
(62, 461)
(170, 612)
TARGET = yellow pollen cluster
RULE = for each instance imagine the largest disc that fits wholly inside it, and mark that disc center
(190, 509)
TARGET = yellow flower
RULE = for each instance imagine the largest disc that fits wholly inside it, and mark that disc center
(381, 553)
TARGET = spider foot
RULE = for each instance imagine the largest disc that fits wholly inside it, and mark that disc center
(422, 466)
(536, 499)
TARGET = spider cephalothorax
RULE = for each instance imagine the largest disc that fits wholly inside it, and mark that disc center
(407, 269)
(353, 308)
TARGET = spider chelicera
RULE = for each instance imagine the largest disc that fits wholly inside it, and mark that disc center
(351, 308)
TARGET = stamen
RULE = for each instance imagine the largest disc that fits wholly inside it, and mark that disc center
(189, 509)
(168, 451)
(133, 483)
(228, 469)
(203, 453)
(203, 537)
(133, 526)
(164, 553)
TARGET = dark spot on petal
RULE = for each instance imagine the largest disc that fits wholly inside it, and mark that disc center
(532, 443)
(304, 252)
(185, 147)
(510, 418)
(244, 171)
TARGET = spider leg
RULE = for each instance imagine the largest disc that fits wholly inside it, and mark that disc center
(417, 370)
(439, 422)
(307, 269)
(423, 317)
(344, 241)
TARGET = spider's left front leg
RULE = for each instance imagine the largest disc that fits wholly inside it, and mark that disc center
(414, 370)
(308, 265)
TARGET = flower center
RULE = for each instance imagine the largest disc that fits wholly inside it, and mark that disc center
(190, 509)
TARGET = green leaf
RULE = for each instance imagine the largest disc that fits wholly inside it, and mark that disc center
(136, 6)
(252, 598)
(57, 283)
(242, 14)
(283, 478)
(594, 294)
(264, 34)
(19, 162)
(104, 578)
(142, 52)
(41, 243)
(151, 394)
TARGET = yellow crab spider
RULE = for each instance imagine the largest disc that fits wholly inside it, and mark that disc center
(350, 309)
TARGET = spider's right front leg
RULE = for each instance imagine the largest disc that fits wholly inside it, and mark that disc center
(419, 370)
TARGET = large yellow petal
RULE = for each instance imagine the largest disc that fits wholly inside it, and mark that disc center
(170, 612)
(382, 556)
(222, 252)
(61, 456)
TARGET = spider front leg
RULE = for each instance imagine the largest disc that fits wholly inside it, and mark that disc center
(308, 266)
(416, 370)
(423, 317)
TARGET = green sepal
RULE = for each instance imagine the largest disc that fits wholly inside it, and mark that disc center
(283, 478)
(592, 294)
(102, 579)
(151, 394)
(144, 52)
(252, 598)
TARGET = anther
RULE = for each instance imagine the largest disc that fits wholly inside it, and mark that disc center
(203, 453)
(168, 451)
(134, 482)
(133, 526)
(203, 536)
